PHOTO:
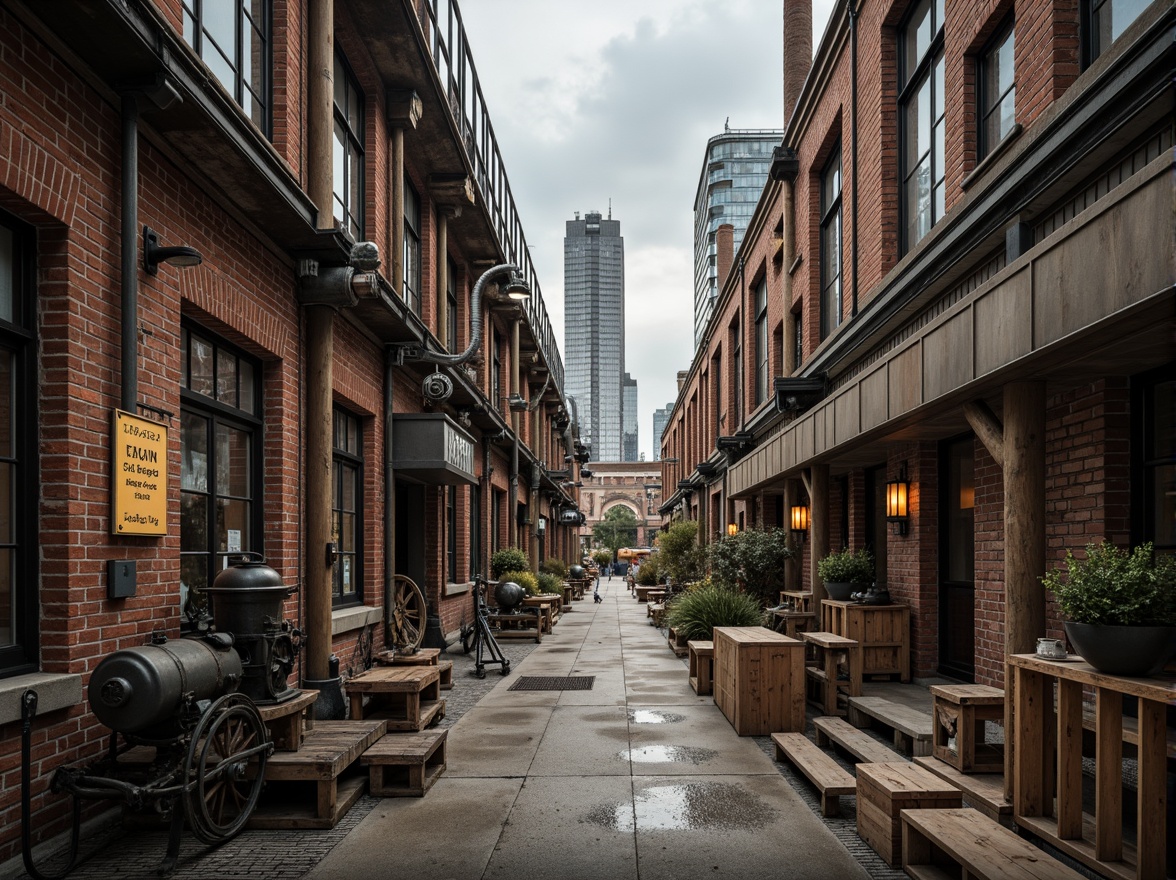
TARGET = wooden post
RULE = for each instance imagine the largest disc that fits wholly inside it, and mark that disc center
(320, 115)
(818, 527)
(320, 333)
(1024, 519)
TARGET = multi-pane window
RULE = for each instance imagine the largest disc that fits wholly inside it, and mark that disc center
(18, 462)
(347, 158)
(831, 303)
(233, 39)
(451, 534)
(717, 378)
(220, 462)
(1154, 408)
(997, 91)
(736, 376)
(761, 340)
(451, 306)
(412, 248)
(1105, 22)
(920, 109)
(347, 508)
(797, 340)
(475, 531)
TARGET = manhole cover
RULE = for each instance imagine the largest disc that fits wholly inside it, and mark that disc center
(553, 683)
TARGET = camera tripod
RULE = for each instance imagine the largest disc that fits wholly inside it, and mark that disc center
(479, 637)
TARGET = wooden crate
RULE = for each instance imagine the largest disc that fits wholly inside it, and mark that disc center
(883, 790)
(702, 663)
(405, 764)
(883, 631)
(759, 680)
(408, 697)
(958, 715)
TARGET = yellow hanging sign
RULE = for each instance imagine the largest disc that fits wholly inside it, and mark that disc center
(139, 480)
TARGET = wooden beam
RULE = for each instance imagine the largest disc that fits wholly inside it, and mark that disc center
(405, 108)
(1024, 515)
(818, 489)
(987, 427)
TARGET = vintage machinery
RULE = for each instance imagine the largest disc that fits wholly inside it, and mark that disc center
(187, 740)
(479, 636)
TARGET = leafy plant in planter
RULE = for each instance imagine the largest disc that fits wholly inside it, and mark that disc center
(696, 613)
(680, 557)
(524, 579)
(507, 559)
(648, 573)
(843, 571)
(555, 566)
(550, 583)
(751, 560)
(1120, 605)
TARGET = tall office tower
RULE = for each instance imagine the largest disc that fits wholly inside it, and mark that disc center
(594, 328)
(661, 418)
(629, 418)
(734, 172)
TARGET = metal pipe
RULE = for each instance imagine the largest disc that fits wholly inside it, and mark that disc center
(389, 499)
(853, 173)
(320, 116)
(130, 250)
(514, 425)
(432, 357)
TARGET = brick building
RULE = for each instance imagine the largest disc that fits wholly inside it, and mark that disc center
(959, 279)
(635, 485)
(181, 196)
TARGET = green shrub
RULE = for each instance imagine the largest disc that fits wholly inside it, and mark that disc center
(1112, 587)
(550, 583)
(751, 560)
(602, 558)
(847, 567)
(524, 579)
(554, 565)
(695, 613)
(648, 573)
(508, 559)
(680, 556)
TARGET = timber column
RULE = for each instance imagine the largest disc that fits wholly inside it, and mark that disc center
(1024, 515)
(818, 489)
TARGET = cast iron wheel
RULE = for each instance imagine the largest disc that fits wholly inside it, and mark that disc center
(222, 788)
(407, 619)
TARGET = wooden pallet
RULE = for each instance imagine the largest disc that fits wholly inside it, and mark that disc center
(822, 771)
(405, 764)
(311, 788)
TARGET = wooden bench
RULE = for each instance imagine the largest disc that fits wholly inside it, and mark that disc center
(912, 728)
(838, 669)
(287, 722)
(408, 697)
(421, 657)
(793, 623)
(822, 771)
(959, 713)
(405, 764)
(984, 791)
(938, 843)
(678, 644)
(702, 666)
(521, 625)
(862, 746)
(883, 790)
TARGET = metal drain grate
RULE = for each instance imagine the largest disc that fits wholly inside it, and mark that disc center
(553, 683)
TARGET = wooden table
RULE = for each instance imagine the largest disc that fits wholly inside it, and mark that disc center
(793, 623)
(407, 697)
(800, 600)
(547, 609)
(759, 679)
(1046, 746)
(883, 631)
(702, 662)
(834, 654)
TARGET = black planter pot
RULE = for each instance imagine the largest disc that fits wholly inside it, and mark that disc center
(843, 591)
(1123, 650)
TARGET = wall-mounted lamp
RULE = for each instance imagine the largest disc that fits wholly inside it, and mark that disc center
(515, 288)
(799, 520)
(516, 403)
(154, 254)
(897, 501)
(732, 529)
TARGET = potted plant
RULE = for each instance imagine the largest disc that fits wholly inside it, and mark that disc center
(695, 613)
(751, 560)
(846, 572)
(1120, 607)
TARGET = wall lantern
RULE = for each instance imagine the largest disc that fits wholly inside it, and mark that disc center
(732, 529)
(515, 287)
(799, 520)
(897, 499)
(154, 254)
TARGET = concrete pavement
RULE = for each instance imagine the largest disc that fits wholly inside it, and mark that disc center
(637, 777)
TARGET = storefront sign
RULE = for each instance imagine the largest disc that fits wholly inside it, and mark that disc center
(433, 449)
(139, 480)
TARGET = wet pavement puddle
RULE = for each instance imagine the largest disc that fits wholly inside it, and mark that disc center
(686, 806)
(650, 716)
(668, 755)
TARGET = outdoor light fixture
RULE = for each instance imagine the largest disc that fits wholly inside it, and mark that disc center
(799, 520)
(154, 254)
(732, 529)
(515, 288)
(516, 403)
(897, 500)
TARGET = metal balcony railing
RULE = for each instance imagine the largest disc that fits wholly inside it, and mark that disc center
(455, 67)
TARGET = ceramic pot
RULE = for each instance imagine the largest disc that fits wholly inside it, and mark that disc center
(842, 591)
(1123, 650)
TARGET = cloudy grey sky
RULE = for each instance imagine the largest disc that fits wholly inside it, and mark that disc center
(615, 100)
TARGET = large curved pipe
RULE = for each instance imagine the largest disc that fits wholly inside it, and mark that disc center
(433, 357)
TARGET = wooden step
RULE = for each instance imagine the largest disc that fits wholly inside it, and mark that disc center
(822, 771)
(405, 764)
(984, 791)
(912, 728)
(861, 745)
(982, 848)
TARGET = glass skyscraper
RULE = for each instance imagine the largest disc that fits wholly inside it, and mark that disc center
(661, 418)
(629, 418)
(594, 329)
(733, 176)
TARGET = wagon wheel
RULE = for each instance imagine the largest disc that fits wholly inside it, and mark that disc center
(222, 789)
(407, 617)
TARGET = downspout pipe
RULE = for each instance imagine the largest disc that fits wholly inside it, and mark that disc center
(389, 500)
(853, 133)
(130, 245)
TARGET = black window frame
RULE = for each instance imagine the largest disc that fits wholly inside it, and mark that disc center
(762, 341)
(18, 336)
(737, 374)
(912, 74)
(798, 339)
(1091, 38)
(347, 459)
(475, 496)
(411, 280)
(451, 305)
(451, 534)
(831, 225)
(218, 413)
(197, 36)
(1146, 460)
(987, 105)
(346, 136)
